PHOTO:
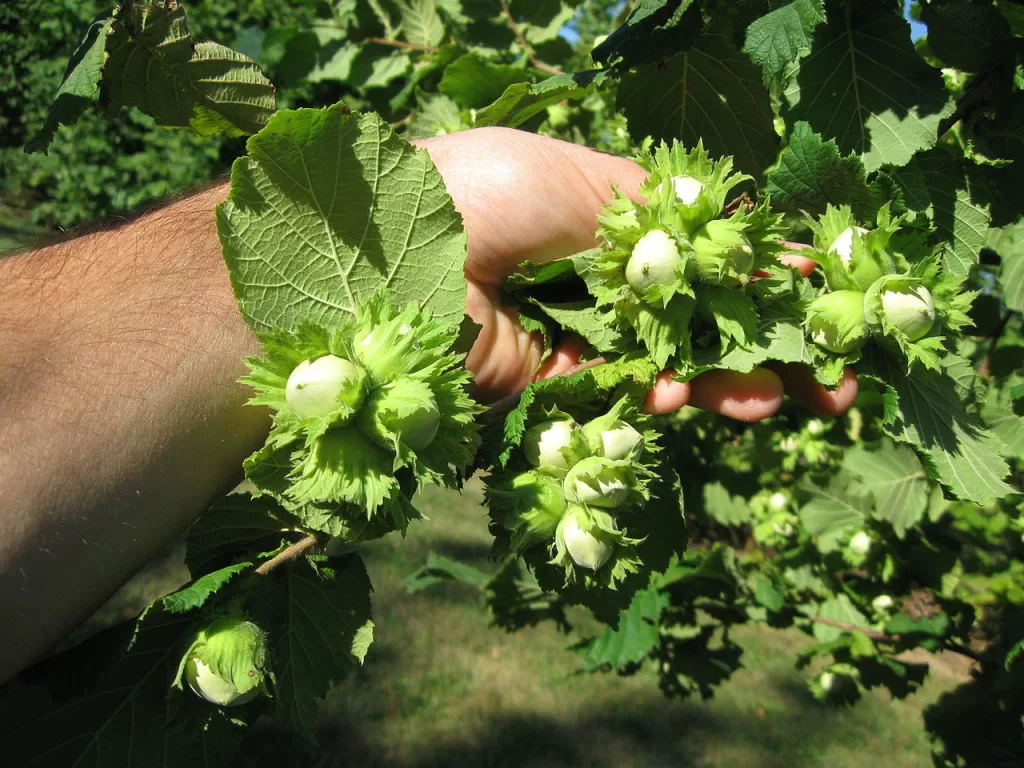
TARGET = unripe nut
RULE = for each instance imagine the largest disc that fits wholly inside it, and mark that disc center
(860, 544)
(826, 335)
(586, 549)
(315, 386)
(654, 261)
(912, 310)
(595, 482)
(616, 442)
(547, 443)
(687, 189)
(882, 603)
(204, 683)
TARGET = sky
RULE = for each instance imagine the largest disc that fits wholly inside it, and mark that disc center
(917, 29)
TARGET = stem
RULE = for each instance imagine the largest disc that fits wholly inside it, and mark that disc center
(534, 61)
(297, 549)
(963, 650)
(874, 634)
(401, 44)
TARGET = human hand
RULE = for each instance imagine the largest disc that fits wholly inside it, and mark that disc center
(530, 197)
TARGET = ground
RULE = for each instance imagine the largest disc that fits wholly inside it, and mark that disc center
(440, 688)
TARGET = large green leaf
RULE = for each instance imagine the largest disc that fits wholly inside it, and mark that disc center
(841, 609)
(327, 208)
(318, 614)
(724, 508)
(421, 22)
(522, 101)
(633, 638)
(927, 411)
(895, 478)
(196, 594)
(999, 415)
(954, 197)
(965, 35)
(831, 513)
(865, 85)
(81, 81)
(154, 64)
(780, 37)
(710, 92)
(1008, 242)
(811, 174)
(472, 81)
(653, 29)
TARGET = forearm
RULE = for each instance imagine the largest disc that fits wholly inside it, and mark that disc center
(122, 415)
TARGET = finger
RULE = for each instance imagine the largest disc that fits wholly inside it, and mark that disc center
(504, 355)
(563, 357)
(667, 395)
(798, 381)
(805, 265)
(742, 396)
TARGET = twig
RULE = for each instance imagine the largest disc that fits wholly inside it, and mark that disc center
(297, 549)
(874, 634)
(537, 63)
(402, 44)
(963, 650)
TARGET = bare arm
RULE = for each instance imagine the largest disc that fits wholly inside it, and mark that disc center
(121, 415)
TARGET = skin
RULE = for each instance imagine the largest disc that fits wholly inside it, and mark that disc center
(120, 352)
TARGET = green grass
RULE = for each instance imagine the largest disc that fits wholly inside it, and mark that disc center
(439, 688)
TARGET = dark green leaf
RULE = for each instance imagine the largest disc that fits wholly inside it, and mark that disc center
(927, 411)
(154, 64)
(81, 81)
(131, 718)
(522, 101)
(234, 525)
(780, 37)
(711, 92)
(327, 208)
(964, 35)
(865, 85)
(633, 638)
(473, 82)
(812, 174)
(317, 611)
(653, 30)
